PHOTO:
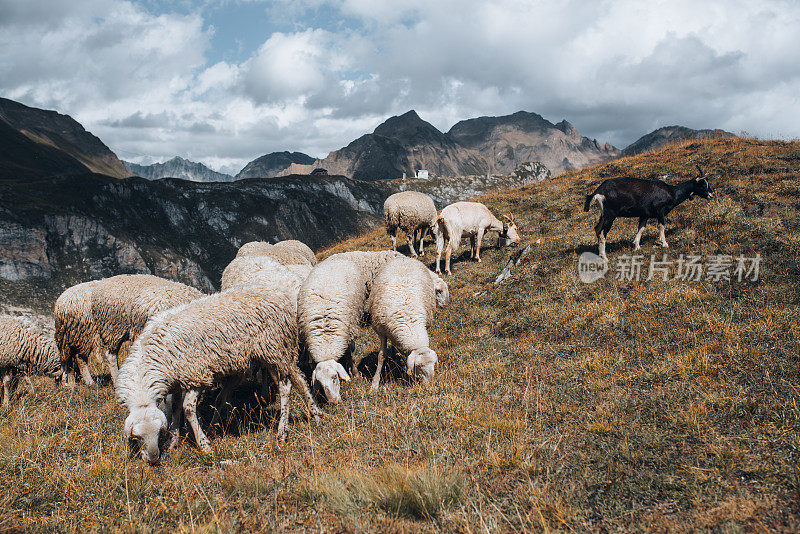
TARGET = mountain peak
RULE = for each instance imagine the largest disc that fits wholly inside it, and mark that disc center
(54, 131)
(404, 126)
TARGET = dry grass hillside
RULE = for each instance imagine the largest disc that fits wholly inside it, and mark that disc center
(557, 405)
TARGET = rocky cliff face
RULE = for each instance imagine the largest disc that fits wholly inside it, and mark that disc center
(57, 137)
(670, 134)
(271, 165)
(177, 167)
(58, 232)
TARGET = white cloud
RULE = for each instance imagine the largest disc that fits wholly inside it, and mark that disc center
(616, 69)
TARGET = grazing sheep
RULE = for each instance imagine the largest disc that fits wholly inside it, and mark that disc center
(329, 308)
(414, 213)
(75, 333)
(250, 270)
(289, 252)
(470, 219)
(265, 272)
(25, 350)
(122, 305)
(645, 199)
(198, 345)
(401, 305)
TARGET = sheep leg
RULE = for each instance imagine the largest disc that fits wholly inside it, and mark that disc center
(83, 366)
(30, 385)
(410, 242)
(302, 386)
(67, 374)
(638, 238)
(112, 366)
(393, 234)
(190, 411)
(602, 228)
(662, 239)
(175, 421)
(7, 389)
(284, 389)
(376, 380)
(439, 247)
(447, 255)
(422, 233)
(479, 238)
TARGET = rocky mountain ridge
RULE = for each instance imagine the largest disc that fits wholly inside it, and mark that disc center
(177, 167)
(56, 144)
(670, 134)
(273, 164)
(485, 145)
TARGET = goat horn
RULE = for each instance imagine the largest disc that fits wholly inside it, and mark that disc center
(700, 170)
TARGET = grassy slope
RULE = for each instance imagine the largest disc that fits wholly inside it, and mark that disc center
(557, 405)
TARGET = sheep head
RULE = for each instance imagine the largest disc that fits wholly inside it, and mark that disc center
(441, 290)
(509, 235)
(327, 375)
(420, 364)
(146, 427)
(701, 187)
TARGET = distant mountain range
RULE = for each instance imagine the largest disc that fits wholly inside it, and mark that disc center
(273, 164)
(487, 145)
(670, 134)
(36, 142)
(178, 167)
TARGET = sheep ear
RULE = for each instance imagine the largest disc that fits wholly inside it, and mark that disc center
(342, 373)
(410, 363)
(314, 377)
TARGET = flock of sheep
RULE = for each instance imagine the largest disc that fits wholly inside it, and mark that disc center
(277, 309)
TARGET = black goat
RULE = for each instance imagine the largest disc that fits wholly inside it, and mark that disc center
(645, 199)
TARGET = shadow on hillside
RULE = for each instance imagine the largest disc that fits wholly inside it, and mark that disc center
(394, 368)
(247, 411)
(625, 246)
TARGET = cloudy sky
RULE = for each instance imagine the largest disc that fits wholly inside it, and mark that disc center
(225, 81)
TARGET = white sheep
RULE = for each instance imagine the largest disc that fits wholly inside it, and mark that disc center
(404, 296)
(75, 333)
(25, 350)
(289, 252)
(329, 309)
(122, 305)
(470, 219)
(414, 213)
(260, 271)
(201, 344)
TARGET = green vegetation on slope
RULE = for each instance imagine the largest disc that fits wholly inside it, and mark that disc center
(557, 405)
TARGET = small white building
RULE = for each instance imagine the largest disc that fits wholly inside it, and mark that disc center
(422, 174)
